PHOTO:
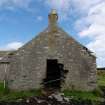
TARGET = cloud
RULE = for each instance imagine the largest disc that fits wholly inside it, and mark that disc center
(95, 30)
(85, 5)
(39, 18)
(11, 46)
(66, 7)
(11, 4)
(63, 5)
(98, 47)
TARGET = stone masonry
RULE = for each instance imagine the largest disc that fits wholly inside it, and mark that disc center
(27, 67)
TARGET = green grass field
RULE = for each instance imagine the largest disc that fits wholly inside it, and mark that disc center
(101, 78)
(93, 95)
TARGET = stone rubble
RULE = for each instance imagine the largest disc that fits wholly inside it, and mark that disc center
(53, 99)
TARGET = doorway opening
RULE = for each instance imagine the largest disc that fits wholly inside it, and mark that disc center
(55, 74)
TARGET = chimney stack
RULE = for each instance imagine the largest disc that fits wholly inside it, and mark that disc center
(53, 17)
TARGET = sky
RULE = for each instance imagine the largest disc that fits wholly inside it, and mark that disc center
(84, 20)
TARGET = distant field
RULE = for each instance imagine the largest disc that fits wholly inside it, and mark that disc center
(101, 77)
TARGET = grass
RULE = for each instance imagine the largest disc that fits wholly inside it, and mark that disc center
(6, 95)
(93, 95)
(2, 89)
(13, 96)
(101, 78)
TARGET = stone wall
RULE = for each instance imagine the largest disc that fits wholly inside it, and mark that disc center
(4, 68)
(2, 71)
(4, 64)
(28, 64)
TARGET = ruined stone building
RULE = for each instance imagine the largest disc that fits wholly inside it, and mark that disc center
(52, 59)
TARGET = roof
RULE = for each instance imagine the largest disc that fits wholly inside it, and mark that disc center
(4, 56)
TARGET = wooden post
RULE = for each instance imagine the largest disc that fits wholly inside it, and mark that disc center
(5, 76)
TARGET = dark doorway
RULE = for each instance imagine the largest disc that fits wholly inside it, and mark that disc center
(54, 74)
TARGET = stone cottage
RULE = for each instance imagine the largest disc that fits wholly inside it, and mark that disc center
(52, 59)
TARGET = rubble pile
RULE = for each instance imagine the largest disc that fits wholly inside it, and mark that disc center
(53, 99)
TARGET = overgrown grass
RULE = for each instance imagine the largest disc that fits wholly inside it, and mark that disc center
(101, 78)
(6, 95)
(93, 95)
(2, 89)
(13, 95)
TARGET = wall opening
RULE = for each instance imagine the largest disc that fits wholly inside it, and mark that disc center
(55, 74)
